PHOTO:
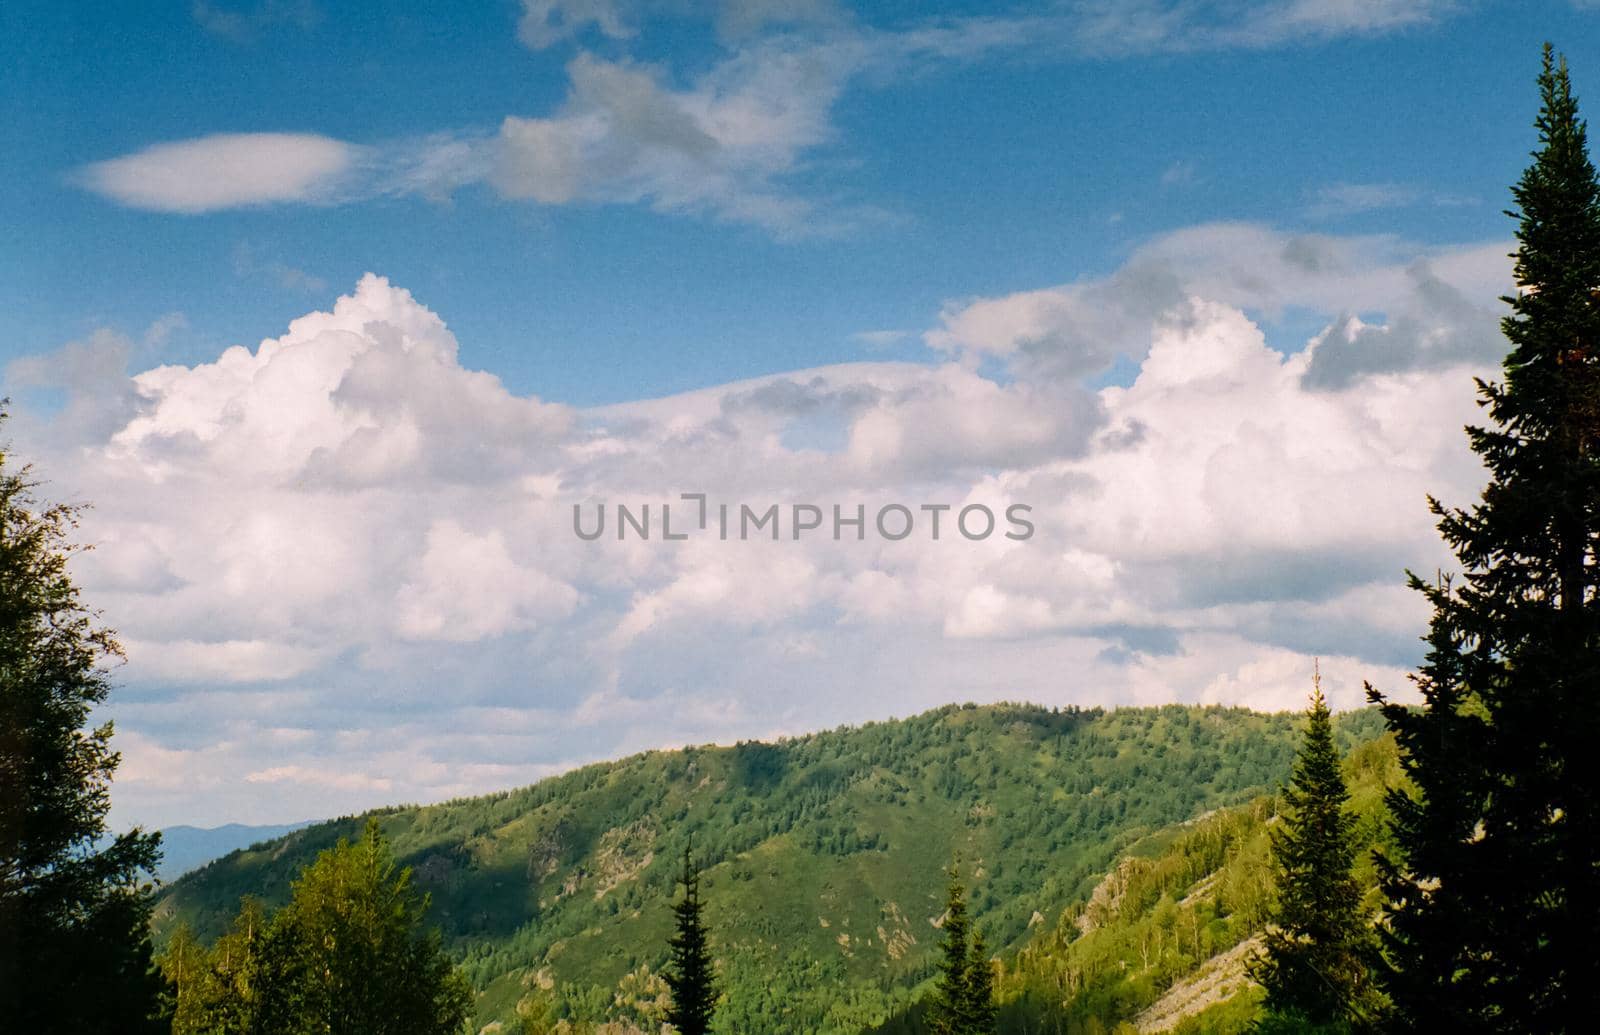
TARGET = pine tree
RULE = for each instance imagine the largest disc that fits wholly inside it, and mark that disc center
(1314, 967)
(980, 988)
(690, 976)
(75, 951)
(952, 1008)
(1436, 887)
(1495, 901)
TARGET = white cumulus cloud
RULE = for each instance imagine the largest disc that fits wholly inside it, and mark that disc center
(345, 531)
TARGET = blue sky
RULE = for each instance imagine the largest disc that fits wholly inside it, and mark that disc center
(1028, 163)
(335, 313)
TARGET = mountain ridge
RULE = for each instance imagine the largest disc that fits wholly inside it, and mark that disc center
(823, 852)
(185, 847)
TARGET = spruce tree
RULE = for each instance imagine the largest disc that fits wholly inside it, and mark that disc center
(1495, 899)
(75, 950)
(951, 1009)
(690, 976)
(1435, 887)
(1314, 967)
(980, 988)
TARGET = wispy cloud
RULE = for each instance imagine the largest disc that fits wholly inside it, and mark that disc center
(1177, 174)
(723, 146)
(545, 23)
(735, 142)
(249, 264)
(1147, 26)
(242, 23)
(880, 339)
(1347, 199)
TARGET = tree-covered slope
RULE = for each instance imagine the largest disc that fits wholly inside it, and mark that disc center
(1161, 942)
(823, 854)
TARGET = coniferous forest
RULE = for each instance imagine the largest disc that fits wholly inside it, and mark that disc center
(998, 869)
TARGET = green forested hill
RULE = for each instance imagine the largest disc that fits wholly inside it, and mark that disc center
(824, 855)
(1160, 943)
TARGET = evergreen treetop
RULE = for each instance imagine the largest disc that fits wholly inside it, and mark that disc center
(1315, 964)
(963, 1000)
(1496, 897)
(690, 975)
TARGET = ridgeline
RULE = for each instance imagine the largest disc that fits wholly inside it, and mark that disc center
(824, 859)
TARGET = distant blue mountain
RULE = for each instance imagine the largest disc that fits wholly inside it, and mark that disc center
(185, 848)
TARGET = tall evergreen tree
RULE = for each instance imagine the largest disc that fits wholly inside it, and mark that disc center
(963, 1001)
(949, 1012)
(75, 950)
(690, 975)
(1314, 967)
(980, 988)
(1495, 901)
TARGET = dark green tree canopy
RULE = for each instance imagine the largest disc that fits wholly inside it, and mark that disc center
(690, 975)
(1315, 963)
(1496, 898)
(74, 946)
(963, 1001)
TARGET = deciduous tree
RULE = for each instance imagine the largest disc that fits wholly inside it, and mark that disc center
(75, 951)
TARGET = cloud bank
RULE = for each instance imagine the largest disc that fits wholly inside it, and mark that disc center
(342, 551)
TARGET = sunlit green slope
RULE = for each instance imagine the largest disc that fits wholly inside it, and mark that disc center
(824, 854)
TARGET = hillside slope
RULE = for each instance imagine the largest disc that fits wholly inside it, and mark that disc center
(824, 854)
(1163, 941)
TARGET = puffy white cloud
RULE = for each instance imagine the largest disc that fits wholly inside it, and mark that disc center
(1437, 301)
(467, 587)
(231, 661)
(344, 531)
(226, 170)
(323, 779)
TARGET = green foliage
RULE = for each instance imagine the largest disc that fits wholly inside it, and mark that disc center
(1494, 894)
(948, 1010)
(963, 1000)
(1319, 946)
(980, 987)
(347, 954)
(1171, 925)
(75, 951)
(814, 852)
(691, 978)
